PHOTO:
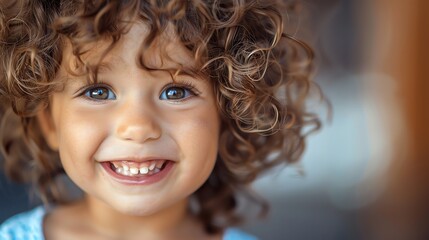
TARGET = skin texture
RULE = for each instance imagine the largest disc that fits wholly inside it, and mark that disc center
(133, 122)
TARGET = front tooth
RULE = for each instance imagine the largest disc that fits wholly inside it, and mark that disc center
(126, 168)
(126, 172)
(134, 170)
(119, 170)
(144, 170)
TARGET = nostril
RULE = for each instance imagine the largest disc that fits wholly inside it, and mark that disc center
(139, 133)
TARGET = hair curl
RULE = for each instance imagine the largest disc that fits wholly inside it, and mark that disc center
(260, 74)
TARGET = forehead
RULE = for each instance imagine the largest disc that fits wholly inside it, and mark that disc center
(166, 52)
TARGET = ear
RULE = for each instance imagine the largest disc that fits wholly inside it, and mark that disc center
(47, 126)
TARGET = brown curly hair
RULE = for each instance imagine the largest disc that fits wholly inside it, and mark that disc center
(261, 78)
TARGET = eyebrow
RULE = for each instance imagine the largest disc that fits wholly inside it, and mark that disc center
(193, 72)
(106, 66)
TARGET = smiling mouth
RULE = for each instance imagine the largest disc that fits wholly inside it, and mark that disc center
(137, 173)
(125, 168)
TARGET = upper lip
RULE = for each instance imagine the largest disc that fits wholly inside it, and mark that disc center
(136, 158)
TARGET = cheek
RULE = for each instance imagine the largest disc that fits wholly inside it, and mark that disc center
(200, 135)
(197, 138)
(79, 134)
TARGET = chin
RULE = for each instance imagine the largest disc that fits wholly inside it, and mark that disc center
(137, 211)
(140, 208)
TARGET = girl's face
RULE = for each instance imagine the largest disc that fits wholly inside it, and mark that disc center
(137, 141)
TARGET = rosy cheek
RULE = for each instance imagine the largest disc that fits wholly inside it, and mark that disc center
(79, 136)
(202, 131)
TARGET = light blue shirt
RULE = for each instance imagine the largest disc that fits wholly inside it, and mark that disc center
(29, 226)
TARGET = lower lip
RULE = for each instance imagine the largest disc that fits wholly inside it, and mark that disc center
(140, 180)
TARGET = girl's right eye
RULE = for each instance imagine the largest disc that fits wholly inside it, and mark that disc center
(100, 93)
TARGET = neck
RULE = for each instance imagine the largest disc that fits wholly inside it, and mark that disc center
(169, 223)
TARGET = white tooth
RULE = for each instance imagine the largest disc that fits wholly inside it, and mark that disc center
(152, 166)
(126, 172)
(144, 170)
(119, 170)
(134, 170)
(126, 168)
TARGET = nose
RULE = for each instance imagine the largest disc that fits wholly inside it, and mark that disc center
(137, 123)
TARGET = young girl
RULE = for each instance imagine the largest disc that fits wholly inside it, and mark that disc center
(162, 112)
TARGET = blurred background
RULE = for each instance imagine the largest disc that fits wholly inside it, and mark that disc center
(366, 173)
(364, 176)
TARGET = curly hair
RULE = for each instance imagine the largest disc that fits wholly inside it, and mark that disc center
(261, 78)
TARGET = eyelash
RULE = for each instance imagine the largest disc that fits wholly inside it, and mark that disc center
(82, 91)
(187, 85)
(182, 84)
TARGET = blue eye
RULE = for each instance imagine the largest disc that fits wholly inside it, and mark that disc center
(100, 93)
(176, 93)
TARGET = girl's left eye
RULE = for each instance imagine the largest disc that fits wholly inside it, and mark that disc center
(100, 93)
(176, 93)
